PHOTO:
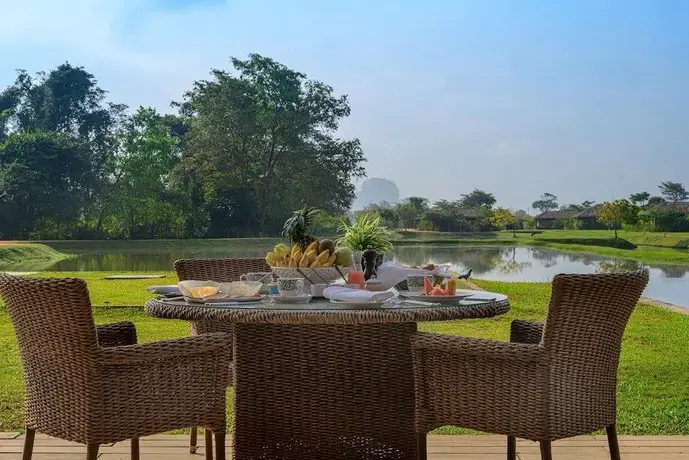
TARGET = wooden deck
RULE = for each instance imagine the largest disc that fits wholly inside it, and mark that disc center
(164, 447)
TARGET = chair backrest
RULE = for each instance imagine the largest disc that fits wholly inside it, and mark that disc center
(219, 270)
(586, 319)
(58, 346)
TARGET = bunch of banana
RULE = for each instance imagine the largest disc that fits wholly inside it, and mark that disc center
(317, 254)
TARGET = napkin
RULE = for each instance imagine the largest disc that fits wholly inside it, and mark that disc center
(345, 294)
(164, 290)
(392, 273)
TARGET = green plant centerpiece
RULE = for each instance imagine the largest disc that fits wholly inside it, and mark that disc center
(366, 231)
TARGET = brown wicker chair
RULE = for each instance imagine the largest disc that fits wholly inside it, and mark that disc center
(90, 385)
(558, 381)
(220, 271)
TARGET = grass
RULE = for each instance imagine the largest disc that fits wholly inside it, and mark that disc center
(653, 394)
(16, 255)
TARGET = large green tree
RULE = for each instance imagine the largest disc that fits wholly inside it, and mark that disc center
(263, 142)
(673, 191)
(139, 202)
(478, 199)
(547, 202)
(44, 180)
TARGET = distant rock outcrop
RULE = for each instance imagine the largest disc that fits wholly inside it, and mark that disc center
(376, 190)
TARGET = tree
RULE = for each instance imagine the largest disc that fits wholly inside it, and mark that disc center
(655, 201)
(503, 218)
(477, 199)
(263, 141)
(587, 204)
(138, 199)
(639, 198)
(616, 213)
(673, 191)
(548, 202)
(44, 180)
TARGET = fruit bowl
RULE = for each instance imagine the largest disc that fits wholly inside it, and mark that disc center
(321, 275)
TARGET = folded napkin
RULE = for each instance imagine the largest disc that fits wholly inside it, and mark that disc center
(164, 290)
(345, 294)
(392, 273)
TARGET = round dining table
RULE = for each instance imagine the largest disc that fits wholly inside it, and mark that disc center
(324, 381)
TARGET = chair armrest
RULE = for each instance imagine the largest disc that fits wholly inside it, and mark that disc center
(526, 331)
(483, 348)
(116, 334)
(166, 349)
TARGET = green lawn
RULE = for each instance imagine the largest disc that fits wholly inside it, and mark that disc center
(653, 390)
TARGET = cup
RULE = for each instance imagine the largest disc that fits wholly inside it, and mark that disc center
(317, 289)
(291, 287)
(356, 277)
(262, 277)
(415, 283)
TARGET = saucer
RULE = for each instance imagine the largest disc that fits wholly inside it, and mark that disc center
(304, 298)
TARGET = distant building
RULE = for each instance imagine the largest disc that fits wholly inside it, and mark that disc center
(587, 219)
(546, 220)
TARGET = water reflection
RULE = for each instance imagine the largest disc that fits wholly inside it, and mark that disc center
(669, 283)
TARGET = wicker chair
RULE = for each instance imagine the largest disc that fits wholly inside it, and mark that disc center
(220, 271)
(558, 380)
(94, 385)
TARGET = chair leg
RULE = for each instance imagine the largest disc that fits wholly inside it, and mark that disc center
(135, 448)
(612, 442)
(220, 445)
(28, 443)
(546, 452)
(192, 439)
(421, 446)
(511, 448)
(209, 443)
(92, 451)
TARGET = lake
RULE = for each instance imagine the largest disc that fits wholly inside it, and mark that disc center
(668, 283)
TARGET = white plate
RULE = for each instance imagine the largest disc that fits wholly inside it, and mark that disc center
(437, 298)
(359, 303)
(306, 298)
(224, 299)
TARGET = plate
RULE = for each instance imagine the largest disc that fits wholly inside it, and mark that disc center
(306, 298)
(359, 303)
(208, 300)
(437, 298)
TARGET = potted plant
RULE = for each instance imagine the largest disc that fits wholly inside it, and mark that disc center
(365, 232)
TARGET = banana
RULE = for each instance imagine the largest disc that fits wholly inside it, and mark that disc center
(323, 256)
(295, 249)
(304, 262)
(313, 246)
(271, 259)
(315, 264)
(310, 255)
(294, 260)
(331, 261)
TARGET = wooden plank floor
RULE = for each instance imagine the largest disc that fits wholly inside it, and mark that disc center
(163, 447)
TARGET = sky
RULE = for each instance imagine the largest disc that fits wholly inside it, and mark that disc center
(585, 99)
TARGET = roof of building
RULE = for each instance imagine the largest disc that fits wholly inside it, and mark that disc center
(589, 213)
(553, 215)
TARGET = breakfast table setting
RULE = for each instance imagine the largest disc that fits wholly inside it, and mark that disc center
(322, 356)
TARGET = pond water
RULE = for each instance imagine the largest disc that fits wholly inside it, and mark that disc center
(669, 283)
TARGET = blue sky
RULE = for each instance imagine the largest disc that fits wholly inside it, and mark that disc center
(584, 99)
